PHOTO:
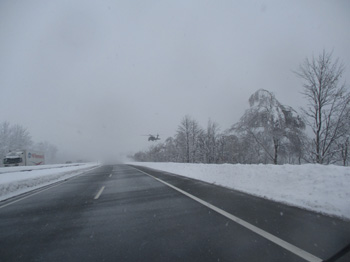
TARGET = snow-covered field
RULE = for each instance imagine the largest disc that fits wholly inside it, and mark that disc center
(324, 189)
(18, 180)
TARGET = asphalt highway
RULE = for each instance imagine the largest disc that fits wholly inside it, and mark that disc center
(120, 213)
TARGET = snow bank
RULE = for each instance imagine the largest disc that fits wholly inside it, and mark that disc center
(324, 189)
(18, 180)
(30, 168)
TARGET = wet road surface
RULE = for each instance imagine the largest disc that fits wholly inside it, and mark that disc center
(119, 213)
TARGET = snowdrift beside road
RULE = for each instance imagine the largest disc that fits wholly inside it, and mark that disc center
(324, 189)
(39, 167)
(18, 181)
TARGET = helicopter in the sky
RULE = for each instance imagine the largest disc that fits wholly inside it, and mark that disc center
(153, 138)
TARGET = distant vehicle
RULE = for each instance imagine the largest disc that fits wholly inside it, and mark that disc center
(24, 158)
(153, 138)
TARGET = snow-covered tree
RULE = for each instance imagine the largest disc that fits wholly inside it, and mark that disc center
(19, 138)
(270, 124)
(170, 150)
(16, 137)
(5, 133)
(13, 137)
(227, 148)
(140, 156)
(328, 104)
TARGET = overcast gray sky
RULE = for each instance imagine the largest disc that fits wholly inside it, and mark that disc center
(93, 76)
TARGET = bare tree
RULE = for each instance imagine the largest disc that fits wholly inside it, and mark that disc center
(344, 151)
(328, 103)
(343, 142)
(209, 143)
(183, 137)
(187, 138)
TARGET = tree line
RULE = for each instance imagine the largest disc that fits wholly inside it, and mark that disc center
(16, 137)
(270, 132)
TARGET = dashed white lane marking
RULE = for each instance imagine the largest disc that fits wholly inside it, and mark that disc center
(110, 175)
(291, 248)
(99, 193)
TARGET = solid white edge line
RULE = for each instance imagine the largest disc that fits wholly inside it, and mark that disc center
(47, 188)
(291, 248)
(99, 193)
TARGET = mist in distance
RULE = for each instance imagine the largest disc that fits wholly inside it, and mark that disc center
(92, 77)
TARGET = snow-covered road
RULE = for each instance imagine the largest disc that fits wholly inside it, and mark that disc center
(324, 189)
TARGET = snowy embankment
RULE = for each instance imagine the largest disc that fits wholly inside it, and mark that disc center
(30, 168)
(18, 180)
(324, 189)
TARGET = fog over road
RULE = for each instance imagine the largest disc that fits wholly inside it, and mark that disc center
(120, 213)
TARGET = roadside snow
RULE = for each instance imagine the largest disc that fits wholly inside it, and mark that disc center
(324, 189)
(30, 168)
(18, 180)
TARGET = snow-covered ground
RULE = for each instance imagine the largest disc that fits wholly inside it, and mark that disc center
(18, 180)
(324, 189)
(30, 168)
